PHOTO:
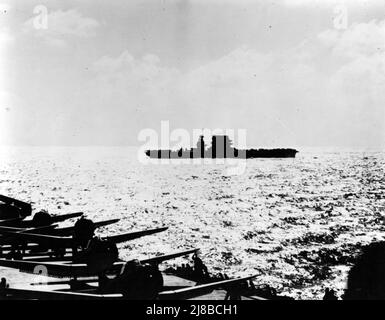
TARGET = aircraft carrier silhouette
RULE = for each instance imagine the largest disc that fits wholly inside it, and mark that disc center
(221, 147)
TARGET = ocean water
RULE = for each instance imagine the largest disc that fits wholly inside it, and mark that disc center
(296, 223)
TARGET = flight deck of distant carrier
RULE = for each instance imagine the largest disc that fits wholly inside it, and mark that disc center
(221, 147)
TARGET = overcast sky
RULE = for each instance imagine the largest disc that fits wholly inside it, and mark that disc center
(292, 73)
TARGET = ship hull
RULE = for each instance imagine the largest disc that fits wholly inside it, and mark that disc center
(234, 154)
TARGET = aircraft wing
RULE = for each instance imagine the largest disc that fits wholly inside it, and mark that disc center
(134, 235)
(57, 295)
(52, 241)
(184, 293)
(49, 269)
(67, 231)
(162, 258)
(25, 208)
(63, 217)
(199, 290)
(12, 230)
(54, 219)
(7, 222)
(43, 239)
(117, 266)
(64, 270)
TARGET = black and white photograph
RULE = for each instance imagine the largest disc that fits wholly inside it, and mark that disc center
(218, 151)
